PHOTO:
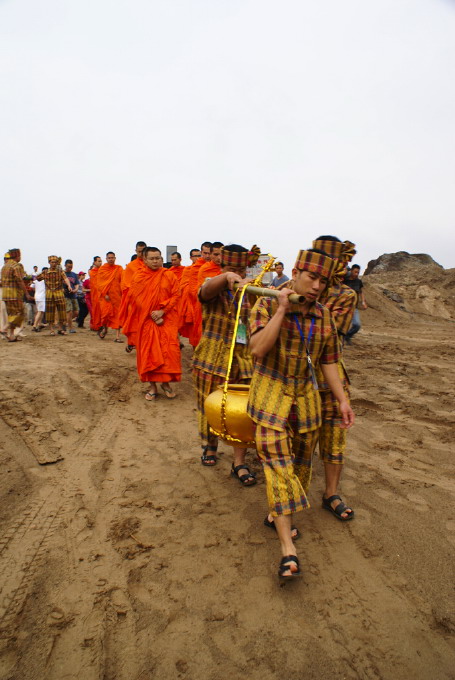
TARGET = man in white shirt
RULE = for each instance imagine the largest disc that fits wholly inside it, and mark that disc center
(40, 302)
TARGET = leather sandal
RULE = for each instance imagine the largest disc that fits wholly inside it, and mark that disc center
(285, 565)
(340, 508)
(246, 480)
(208, 459)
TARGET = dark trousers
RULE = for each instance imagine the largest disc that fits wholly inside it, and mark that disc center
(83, 311)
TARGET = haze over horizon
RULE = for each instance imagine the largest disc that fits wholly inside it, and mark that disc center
(235, 121)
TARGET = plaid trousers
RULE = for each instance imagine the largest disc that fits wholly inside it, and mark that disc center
(332, 438)
(286, 458)
(55, 306)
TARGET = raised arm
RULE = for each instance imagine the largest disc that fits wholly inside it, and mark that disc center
(213, 287)
(262, 341)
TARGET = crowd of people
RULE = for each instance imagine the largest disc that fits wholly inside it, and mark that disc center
(289, 353)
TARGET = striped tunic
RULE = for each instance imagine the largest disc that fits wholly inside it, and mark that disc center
(12, 291)
(282, 379)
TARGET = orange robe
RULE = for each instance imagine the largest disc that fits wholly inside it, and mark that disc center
(127, 311)
(157, 348)
(190, 307)
(178, 271)
(208, 271)
(95, 317)
(185, 308)
(109, 283)
(200, 270)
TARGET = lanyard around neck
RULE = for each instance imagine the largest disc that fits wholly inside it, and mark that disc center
(302, 335)
(234, 301)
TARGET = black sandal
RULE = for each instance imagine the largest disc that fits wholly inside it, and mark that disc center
(272, 525)
(208, 459)
(129, 348)
(340, 508)
(102, 330)
(286, 566)
(245, 480)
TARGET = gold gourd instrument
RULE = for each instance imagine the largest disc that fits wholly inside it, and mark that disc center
(226, 407)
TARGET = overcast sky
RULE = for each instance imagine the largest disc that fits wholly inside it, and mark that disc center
(248, 121)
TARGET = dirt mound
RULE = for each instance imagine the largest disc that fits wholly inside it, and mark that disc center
(399, 283)
(393, 262)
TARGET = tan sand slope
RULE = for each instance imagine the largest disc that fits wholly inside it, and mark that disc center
(127, 560)
(414, 283)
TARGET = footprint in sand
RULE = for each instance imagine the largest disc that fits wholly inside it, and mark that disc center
(418, 502)
(383, 493)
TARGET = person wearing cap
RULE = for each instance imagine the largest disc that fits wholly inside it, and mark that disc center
(54, 279)
(288, 342)
(81, 301)
(210, 361)
(13, 292)
(341, 300)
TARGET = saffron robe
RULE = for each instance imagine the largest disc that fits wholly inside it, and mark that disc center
(195, 330)
(178, 271)
(127, 312)
(185, 308)
(157, 348)
(109, 283)
(95, 313)
(208, 271)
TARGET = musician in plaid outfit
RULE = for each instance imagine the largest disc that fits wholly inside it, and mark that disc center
(13, 292)
(287, 342)
(341, 301)
(210, 360)
(54, 279)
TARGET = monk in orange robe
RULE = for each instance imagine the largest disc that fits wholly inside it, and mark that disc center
(177, 267)
(213, 267)
(127, 315)
(195, 329)
(185, 307)
(154, 292)
(95, 316)
(108, 280)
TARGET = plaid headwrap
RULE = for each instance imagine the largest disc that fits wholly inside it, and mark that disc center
(315, 262)
(342, 251)
(348, 251)
(246, 259)
(14, 252)
(332, 248)
(54, 257)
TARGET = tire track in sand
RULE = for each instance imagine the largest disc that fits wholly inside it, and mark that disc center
(103, 627)
(22, 550)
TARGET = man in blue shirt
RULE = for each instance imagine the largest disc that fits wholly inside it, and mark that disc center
(72, 308)
(280, 276)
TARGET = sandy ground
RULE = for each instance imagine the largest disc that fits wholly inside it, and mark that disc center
(127, 560)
